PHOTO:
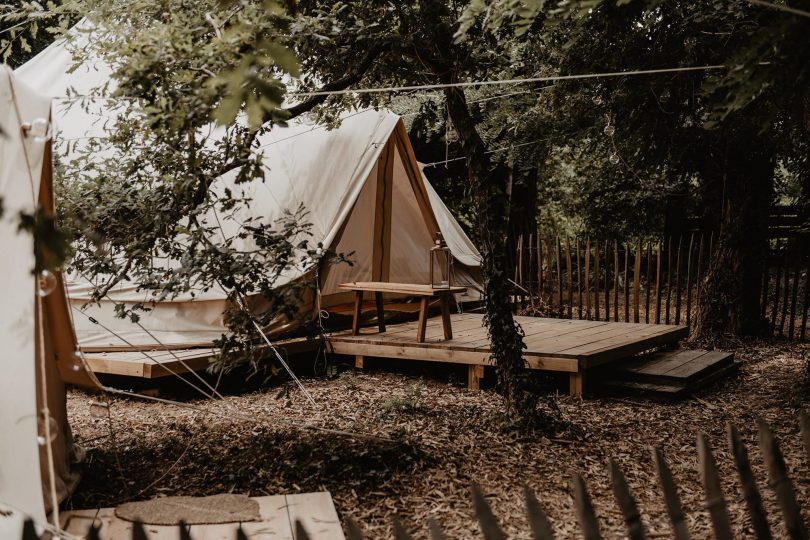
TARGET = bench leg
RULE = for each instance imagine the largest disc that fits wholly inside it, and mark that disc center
(448, 328)
(423, 313)
(358, 310)
(378, 298)
(576, 384)
(358, 361)
(474, 375)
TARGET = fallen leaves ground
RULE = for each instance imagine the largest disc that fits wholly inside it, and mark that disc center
(426, 438)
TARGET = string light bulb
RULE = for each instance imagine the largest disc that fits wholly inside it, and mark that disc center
(614, 158)
(38, 129)
(46, 283)
(597, 100)
(609, 130)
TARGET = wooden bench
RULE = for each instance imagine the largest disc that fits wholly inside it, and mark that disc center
(424, 292)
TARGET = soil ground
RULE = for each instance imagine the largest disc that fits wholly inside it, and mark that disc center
(421, 439)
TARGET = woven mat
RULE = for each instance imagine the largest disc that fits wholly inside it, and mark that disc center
(225, 508)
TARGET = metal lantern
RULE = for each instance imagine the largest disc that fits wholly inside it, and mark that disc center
(441, 264)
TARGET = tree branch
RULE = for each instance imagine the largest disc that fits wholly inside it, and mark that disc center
(353, 76)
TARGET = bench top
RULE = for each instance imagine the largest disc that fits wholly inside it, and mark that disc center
(412, 289)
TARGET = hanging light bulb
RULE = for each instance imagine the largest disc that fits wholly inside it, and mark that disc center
(42, 433)
(597, 100)
(609, 130)
(98, 409)
(46, 283)
(614, 158)
(41, 130)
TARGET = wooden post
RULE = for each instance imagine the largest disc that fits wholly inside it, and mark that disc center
(786, 294)
(803, 329)
(689, 282)
(378, 300)
(607, 281)
(474, 375)
(423, 317)
(576, 384)
(699, 271)
(570, 278)
(596, 280)
(559, 279)
(795, 294)
(585, 512)
(358, 311)
(579, 284)
(658, 284)
(616, 280)
(358, 361)
(588, 278)
(678, 283)
(669, 276)
(626, 283)
(447, 325)
(625, 500)
(778, 283)
(637, 283)
(529, 274)
(540, 265)
(647, 282)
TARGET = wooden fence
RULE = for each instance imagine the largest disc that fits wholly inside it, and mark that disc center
(653, 282)
(715, 500)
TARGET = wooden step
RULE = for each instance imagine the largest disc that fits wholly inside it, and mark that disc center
(678, 367)
(670, 391)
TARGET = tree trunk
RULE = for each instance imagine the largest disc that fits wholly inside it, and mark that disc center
(730, 294)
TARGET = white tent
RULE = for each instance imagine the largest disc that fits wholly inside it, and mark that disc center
(37, 336)
(360, 183)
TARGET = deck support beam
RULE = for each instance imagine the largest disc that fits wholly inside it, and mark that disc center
(576, 384)
(475, 372)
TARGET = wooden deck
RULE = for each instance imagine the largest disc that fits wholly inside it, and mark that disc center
(315, 511)
(565, 345)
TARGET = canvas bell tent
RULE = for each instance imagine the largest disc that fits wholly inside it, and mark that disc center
(37, 455)
(360, 184)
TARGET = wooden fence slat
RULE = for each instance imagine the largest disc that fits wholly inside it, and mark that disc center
(596, 280)
(538, 521)
(778, 283)
(806, 299)
(559, 278)
(699, 272)
(689, 282)
(626, 282)
(780, 482)
(588, 278)
(486, 519)
(669, 276)
(658, 284)
(678, 283)
(519, 260)
(680, 530)
(579, 284)
(794, 297)
(607, 281)
(637, 282)
(540, 265)
(569, 271)
(626, 502)
(585, 512)
(766, 282)
(138, 532)
(715, 501)
(786, 295)
(529, 281)
(647, 281)
(616, 281)
(750, 492)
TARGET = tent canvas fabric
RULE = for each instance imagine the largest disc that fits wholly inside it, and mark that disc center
(37, 334)
(360, 184)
